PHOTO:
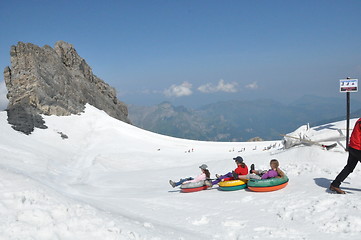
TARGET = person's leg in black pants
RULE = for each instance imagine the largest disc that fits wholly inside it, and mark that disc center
(353, 157)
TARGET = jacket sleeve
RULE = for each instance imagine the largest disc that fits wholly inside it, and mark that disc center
(197, 179)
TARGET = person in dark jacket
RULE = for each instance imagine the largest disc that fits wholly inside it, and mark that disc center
(354, 156)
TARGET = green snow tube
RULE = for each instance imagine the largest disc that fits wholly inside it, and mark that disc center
(269, 182)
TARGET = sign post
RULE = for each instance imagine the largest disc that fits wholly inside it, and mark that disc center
(348, 85)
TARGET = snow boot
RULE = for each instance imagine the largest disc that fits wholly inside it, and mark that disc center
(252, 168)
(235, 175)
(172, 183)
(337, 190)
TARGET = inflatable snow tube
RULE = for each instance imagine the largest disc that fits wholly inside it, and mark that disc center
(193, 187)
(228, 179)
(233, 188)
(268, 189)
(188, 190)
(267, 185)
(232, 185)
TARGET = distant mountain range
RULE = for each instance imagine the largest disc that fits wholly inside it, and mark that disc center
(238, 120)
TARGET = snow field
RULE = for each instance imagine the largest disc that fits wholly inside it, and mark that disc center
(32, 213)
(109, 180)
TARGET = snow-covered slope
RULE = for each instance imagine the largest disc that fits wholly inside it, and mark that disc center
(109, 180)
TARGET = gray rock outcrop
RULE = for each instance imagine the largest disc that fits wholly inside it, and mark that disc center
(54, 81)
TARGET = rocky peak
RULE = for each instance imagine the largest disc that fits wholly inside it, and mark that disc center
(43, 80)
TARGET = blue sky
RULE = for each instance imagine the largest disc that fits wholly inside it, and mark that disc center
(197, 52)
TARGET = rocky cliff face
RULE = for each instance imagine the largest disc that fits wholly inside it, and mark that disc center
(54, 81)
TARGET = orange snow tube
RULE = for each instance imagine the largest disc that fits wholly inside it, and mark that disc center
(268, 189)
(267, 185)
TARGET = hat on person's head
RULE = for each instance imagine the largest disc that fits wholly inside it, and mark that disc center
(203, 166)
(238, 159)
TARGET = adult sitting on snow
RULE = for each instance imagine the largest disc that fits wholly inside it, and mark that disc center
(275, 171)
(354, 155)
(241, 169)
(203, 176)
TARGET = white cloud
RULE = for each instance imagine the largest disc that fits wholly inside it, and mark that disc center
(3, 100)
(221, 87)
(185, 89)
(206, 88)
(253, 85)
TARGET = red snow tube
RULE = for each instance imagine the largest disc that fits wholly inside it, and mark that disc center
(193, 187)
(188, 190)
(228, 179)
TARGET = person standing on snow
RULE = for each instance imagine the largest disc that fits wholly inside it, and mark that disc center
(354, 155)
